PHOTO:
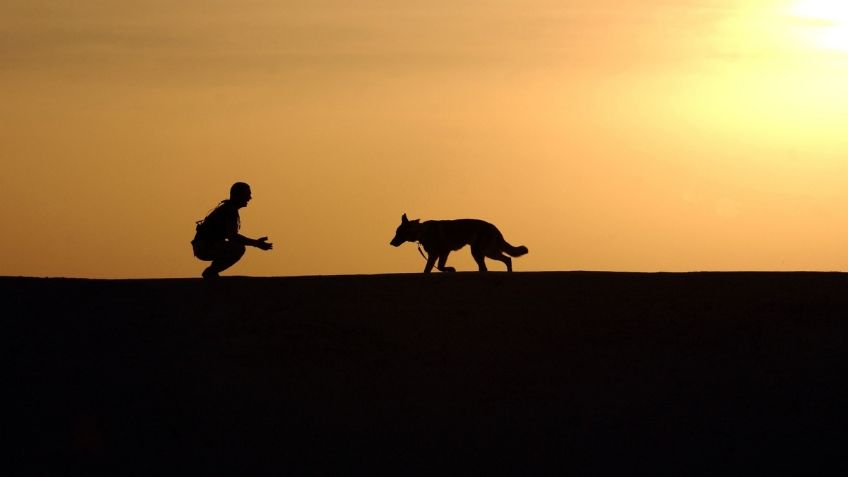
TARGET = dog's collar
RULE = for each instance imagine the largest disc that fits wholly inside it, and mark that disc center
(421, 229)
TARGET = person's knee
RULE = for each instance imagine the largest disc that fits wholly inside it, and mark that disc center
(233, 252)
(228, 256)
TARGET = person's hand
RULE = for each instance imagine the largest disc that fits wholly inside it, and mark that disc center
(263, 243)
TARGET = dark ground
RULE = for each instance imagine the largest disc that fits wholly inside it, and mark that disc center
(471, 374)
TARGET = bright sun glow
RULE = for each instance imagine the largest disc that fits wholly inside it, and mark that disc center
(827, 21)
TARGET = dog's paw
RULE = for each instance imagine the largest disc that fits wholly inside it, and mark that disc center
(448, 269)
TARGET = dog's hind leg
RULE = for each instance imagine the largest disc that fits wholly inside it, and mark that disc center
(502, 258)
(442, 261)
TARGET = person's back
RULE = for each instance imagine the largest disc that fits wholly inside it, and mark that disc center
(217, 237)
(221, 224)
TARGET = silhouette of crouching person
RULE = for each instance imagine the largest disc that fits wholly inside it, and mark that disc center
(218, 239)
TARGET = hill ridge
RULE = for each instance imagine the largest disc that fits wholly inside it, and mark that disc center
(495, 373)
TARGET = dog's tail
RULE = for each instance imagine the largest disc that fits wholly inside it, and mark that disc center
(514, 251)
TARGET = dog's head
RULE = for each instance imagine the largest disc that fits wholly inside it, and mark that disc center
(407, 231)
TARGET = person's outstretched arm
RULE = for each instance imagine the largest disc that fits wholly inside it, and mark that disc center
(261, 242)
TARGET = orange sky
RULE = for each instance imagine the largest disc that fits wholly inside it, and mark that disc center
(649, 135)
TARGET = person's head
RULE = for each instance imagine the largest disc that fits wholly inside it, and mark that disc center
(240, 194)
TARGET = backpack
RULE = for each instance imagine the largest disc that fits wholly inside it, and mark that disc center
(212, 227)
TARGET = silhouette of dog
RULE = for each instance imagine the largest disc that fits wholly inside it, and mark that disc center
(440, 237)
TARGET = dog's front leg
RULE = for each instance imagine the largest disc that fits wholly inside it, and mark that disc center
(442, 261)
(431, 260)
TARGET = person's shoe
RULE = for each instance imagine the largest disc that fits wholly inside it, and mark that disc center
(209, 273)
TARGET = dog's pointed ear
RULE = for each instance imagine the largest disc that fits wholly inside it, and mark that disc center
(403, 219)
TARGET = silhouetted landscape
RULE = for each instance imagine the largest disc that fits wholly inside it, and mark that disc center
(467, 373)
